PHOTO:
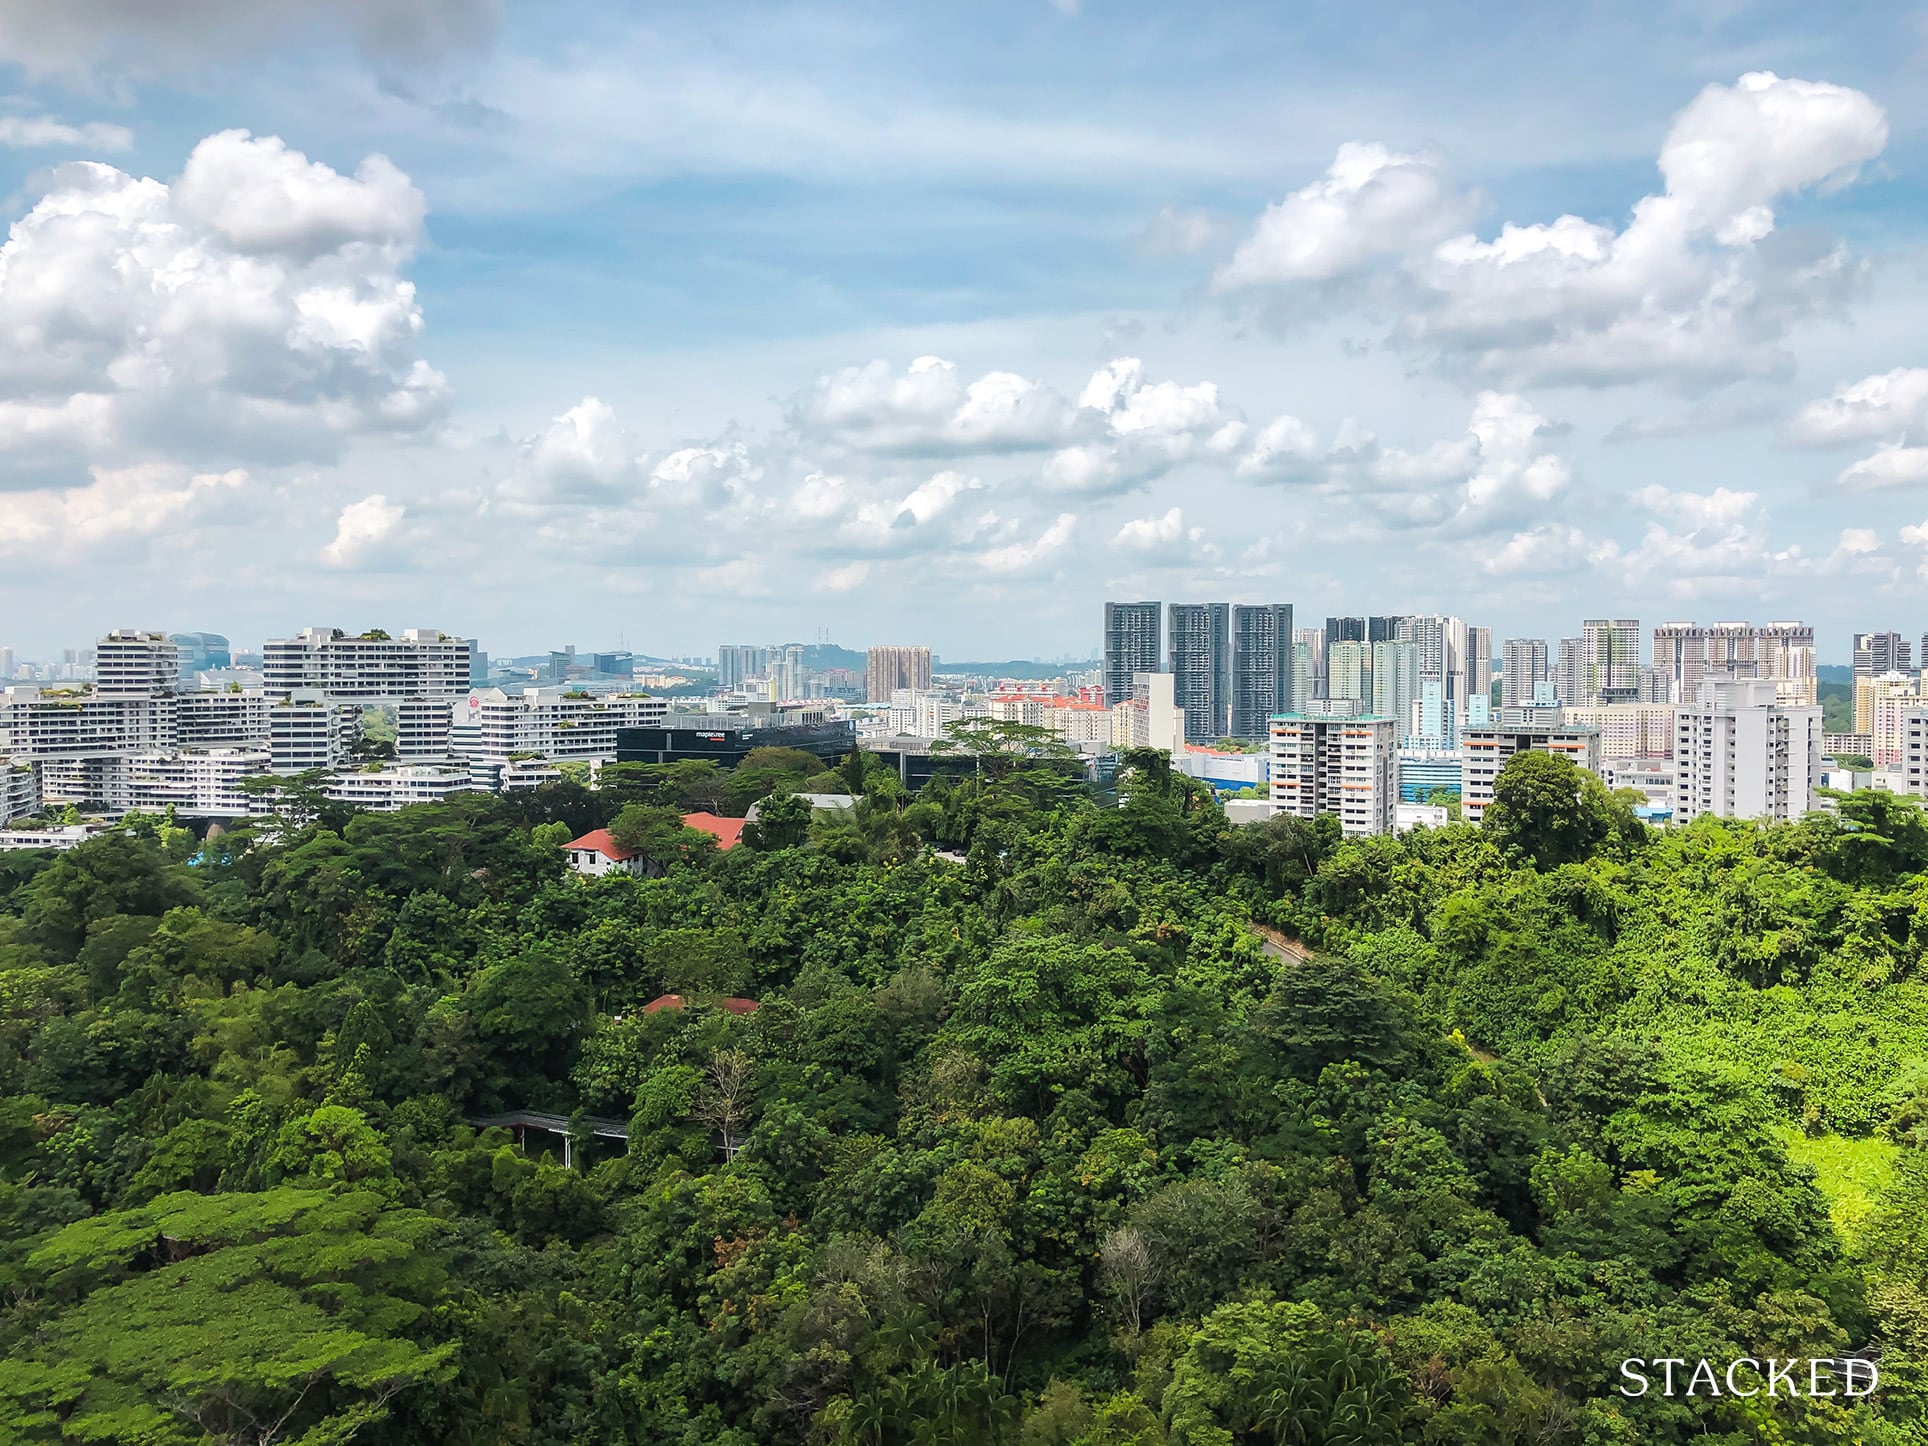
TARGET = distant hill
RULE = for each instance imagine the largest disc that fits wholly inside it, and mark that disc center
(824, 656)
(1834, 673)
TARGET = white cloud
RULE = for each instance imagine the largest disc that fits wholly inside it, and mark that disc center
(1891, 465)
(1142, 430)
(33, 132)
(928, 410)
(129, 504)
(1163, 539)
(363, 531)
(1499, 472)
(1887, 405)
(1025, 556)
(1696, 287)
(1371, 203)
(253, 311)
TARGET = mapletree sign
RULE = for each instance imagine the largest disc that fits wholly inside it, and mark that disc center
(1745, 1376)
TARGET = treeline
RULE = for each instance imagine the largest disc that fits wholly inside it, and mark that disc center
(1059, 1120)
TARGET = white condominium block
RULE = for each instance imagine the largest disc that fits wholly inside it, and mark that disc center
(420, 663)
(1486, 751)
(1739, 754)
(1347, 767)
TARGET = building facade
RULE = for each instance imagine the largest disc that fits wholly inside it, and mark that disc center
(1131, 645)
(1523, 667)
(1738, 753)
(1486, 751)
(370, 668)
(888, 669)
(1199, 659)
(1347, 767)
(1264, 667)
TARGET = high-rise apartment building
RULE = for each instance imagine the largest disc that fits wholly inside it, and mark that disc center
(1886, 699)
(1479, 663)
(370, 668)
(1486, 751)
(1875, 654)
(1738, 753)
(1349, 672)
(1347, 767)
(737, 663)
(1199, 658)
(1131, 646)
(1344, 630)
(1395, 684)
(888, 669)
(1523, 665)
(1628, 730)
(129, 663)
(1609, 661)
(1308, 664)
(791, 683)
(1569, 670)
(1264, 673)
(1685, 654)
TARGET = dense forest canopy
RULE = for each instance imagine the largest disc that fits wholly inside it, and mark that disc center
(1060, 1119)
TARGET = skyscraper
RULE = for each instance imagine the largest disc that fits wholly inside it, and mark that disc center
(737, 663)
(1263, 675)
(1349, 672)
(1522, 664)
(1201, 667)
(1685, 653)
(1344, 630)
(1479, 663)
(1395, 684)
(888, 669)
(1875, 655)
(1569, 671)
(1609, 660)
(1131, 646)
(1308, 662)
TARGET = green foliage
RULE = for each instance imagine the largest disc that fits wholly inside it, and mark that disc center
(1060, 1120)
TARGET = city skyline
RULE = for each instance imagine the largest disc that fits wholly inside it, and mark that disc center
(956, 321)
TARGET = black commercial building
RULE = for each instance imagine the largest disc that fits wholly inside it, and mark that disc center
(724, 739)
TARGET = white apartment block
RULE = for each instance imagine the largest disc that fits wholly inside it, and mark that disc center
(203, 783)
(1738, 753)
(491, 728)
(130, 663)
(1486, 751)
(19, 790)
(387, 787)
(1629, 730)
(307, 730)
(371, 668)
(1347, 767)
(231, 718)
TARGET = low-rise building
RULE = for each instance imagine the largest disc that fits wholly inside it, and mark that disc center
(596, 853)
(386, 787)
(57, 836)
(1486, 751)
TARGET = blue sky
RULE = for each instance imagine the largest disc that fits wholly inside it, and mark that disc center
(689, 323)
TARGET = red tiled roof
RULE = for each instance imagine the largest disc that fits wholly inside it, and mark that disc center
(676, 1001)
(598, 839)
(728, 832)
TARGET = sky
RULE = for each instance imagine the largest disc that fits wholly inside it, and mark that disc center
(676, 324)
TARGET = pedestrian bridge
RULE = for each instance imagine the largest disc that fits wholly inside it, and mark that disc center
(522, 1121)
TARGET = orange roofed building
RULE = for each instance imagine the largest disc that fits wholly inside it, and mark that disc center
(728, 832)
(596, 854)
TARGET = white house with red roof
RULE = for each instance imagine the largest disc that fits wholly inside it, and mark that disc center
(596, 854)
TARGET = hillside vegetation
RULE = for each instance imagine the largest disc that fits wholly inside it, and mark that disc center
(1052, 1146)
